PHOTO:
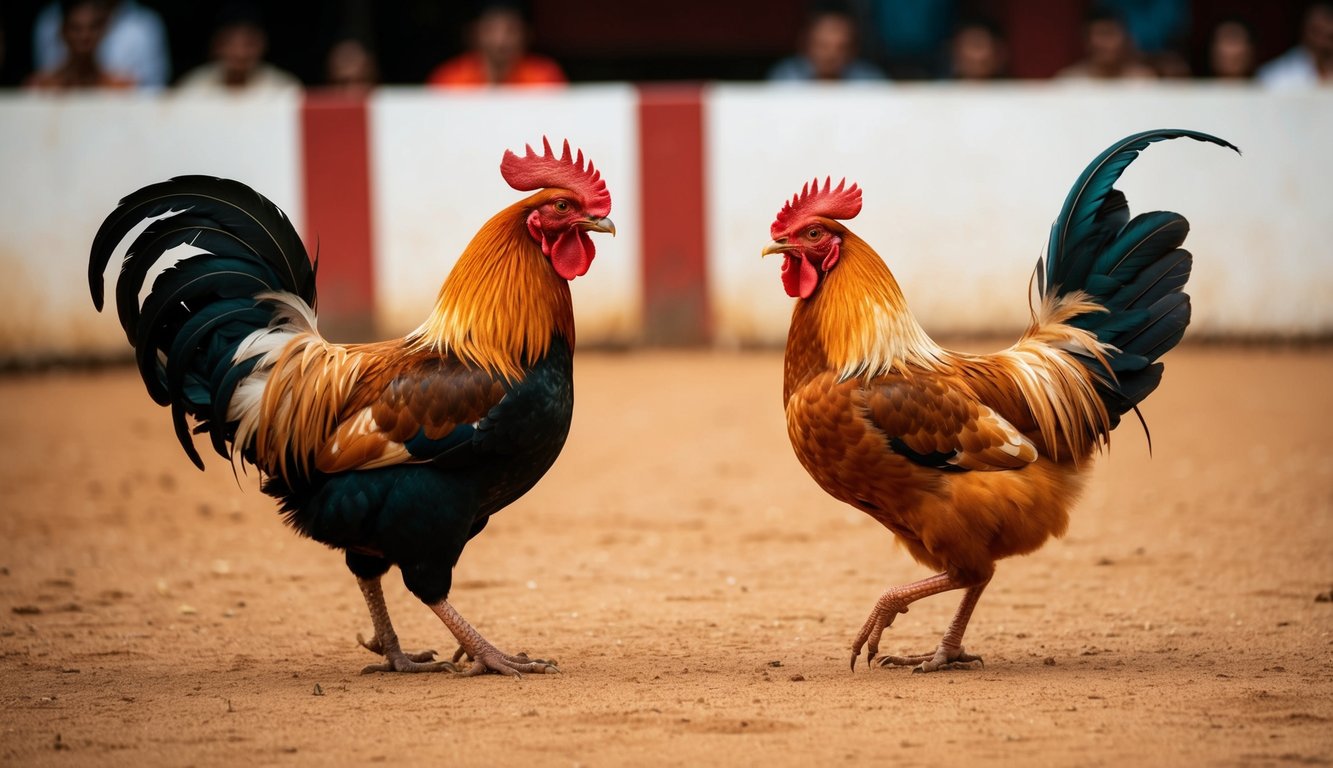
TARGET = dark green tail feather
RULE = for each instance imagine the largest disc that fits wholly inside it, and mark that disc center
(1134, 268)
(199, 311)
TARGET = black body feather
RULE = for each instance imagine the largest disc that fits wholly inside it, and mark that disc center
(420, 516)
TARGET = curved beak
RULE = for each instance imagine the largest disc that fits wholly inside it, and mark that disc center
(778, 246)
(599, 225)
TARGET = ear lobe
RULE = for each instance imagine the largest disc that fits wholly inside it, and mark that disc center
(834, 253)
(535, 229)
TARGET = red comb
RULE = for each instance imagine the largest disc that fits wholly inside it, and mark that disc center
(836, 203)
(534, 171)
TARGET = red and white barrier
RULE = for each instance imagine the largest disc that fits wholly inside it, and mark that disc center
(960, 187)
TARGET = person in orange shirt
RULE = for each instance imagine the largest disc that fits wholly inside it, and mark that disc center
(499, 55)
(82, 26)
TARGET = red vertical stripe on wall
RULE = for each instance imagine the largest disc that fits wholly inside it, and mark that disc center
(675, 287)
(336, 157)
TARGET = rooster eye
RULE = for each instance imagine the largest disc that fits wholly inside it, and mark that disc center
(813, 234)
(561, 206)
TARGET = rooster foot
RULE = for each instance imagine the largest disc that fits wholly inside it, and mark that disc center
(486, 657)
(461, 654)
(880, 619)
(491, 659)
(942, 658)
(397, 660)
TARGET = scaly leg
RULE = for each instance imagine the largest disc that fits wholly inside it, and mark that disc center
(893, 602)
(486, 657)
(950, 651)
(896, 600)
(385, 642)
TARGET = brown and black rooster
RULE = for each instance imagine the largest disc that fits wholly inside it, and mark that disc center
(396, 452)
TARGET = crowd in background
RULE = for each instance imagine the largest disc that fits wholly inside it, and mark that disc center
(124, 44)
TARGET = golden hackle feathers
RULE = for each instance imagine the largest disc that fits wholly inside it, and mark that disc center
(508, 324)
(287, 408)
(861, 317)
(1058, 390)
(303, 402)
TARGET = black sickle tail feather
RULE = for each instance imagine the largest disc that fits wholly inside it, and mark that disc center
(198, 312)
(1135, 268)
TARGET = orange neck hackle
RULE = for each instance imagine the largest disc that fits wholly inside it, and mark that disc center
(860, 319)
(503, 301)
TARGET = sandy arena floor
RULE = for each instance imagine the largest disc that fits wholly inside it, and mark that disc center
(696, 587)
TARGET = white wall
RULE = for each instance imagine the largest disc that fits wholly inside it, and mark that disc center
(961, 185)
(66, 162)
(436, 180)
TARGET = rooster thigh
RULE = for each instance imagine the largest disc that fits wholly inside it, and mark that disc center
(413, 516)
(981, 517)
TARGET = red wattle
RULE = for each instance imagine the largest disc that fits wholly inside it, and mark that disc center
(799, 277)
(572, 253)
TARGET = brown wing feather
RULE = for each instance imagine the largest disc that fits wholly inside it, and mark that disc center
(425, 395)
(935, 418)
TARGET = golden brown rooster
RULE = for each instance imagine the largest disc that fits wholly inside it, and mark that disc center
(396, 452)
(968, 459)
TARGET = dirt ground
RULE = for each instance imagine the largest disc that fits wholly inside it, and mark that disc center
(696, 587)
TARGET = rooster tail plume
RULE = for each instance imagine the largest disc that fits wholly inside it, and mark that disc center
(1117, 279)
(210, 319)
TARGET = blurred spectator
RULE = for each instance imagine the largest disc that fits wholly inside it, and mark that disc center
(1109, 52)
(1231, 49)
(910, 36)
(350, 67)
(498, 55)
(238, 47)
(82, 27)
(1310, 63)
(829, 51)
(1158, 29)
(978, 51)
(135, 43)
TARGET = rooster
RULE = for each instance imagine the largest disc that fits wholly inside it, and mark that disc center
(396, 452)
(966, 458)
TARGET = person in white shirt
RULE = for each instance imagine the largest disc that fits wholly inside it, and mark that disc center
(1310, 63)
(237, 65)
